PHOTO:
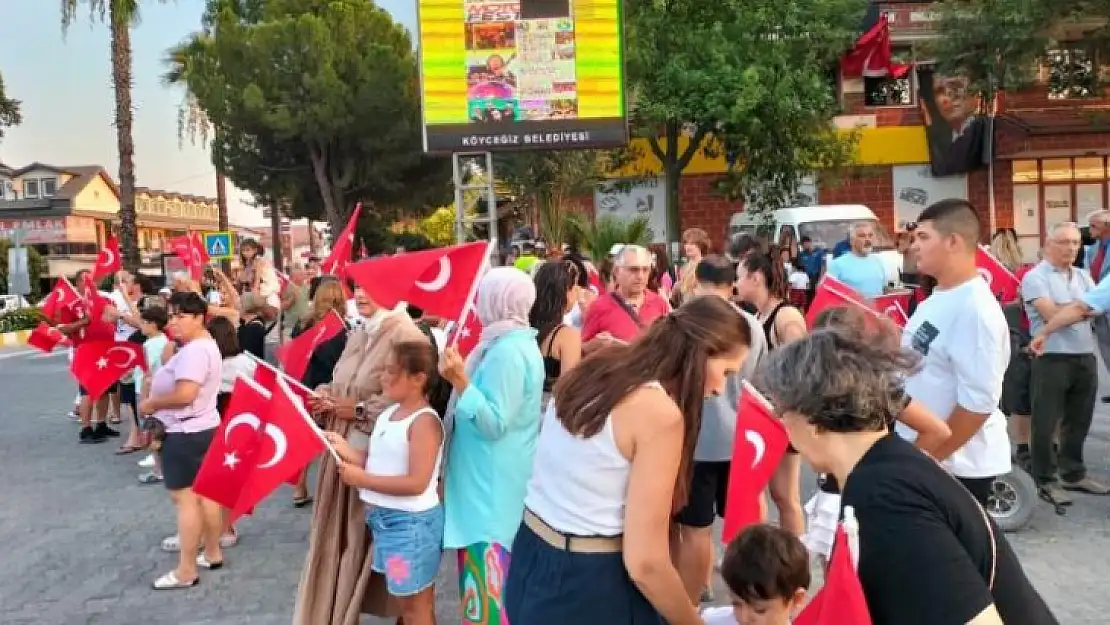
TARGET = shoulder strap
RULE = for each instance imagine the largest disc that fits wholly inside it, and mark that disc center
(990, 532)
(551, 341)
(627, 308)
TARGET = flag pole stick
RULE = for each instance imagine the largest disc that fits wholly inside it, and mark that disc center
(470, 296)
(282, 374)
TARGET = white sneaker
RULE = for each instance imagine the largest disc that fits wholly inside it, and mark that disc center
(148, 462)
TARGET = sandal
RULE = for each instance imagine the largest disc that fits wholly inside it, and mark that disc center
(128, 449)
(204, 563)
(301, 502)
(169, 581)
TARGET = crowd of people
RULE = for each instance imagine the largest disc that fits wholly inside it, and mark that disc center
(581, 452)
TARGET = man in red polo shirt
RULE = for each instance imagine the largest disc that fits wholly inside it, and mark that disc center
(623, 313)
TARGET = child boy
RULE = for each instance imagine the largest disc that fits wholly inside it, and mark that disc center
(766, 570)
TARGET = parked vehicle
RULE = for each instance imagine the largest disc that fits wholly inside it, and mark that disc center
(824, 225)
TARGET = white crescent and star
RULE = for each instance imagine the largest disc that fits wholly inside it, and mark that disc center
(109, 257)
(986, 275)
(441, 279)
(755, 439)
(281, 445)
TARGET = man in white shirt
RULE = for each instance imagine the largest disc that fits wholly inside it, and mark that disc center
(962, 336)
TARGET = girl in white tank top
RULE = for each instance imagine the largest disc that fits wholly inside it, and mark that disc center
(398, 478)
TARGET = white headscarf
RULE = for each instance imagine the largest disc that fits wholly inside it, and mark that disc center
(505, 297)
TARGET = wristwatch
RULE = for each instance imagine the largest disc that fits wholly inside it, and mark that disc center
(360, 411)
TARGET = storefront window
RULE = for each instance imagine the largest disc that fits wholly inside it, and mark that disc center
(1025, 171)
(1053, 169)
(1090, 168)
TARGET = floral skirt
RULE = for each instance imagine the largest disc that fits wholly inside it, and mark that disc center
(483, 568)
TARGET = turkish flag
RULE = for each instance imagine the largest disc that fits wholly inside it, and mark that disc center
(832, 293)
(98, 364)
(437, 281)
(343, 247)
(107, 261)
(596, 284)
(841, 600)
(187, 249)
(761, 442)
(894, 305)
(46, 338)
(198, 244)
(1003, 283)
(59, 305)
(295, 354)
(871, 55)
(264, 439)
(465, 335)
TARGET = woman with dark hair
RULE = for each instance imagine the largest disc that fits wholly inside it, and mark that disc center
(556, 294)
(258, 278)
(930, 554)
(613, 465)
(761, 282)
(662, 277)
(183, 397)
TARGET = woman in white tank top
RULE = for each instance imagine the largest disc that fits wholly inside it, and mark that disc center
(398, 478)
(612, 466)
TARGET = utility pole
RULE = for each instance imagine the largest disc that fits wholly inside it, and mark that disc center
(221, 204)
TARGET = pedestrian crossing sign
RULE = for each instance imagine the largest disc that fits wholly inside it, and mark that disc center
(218, 245)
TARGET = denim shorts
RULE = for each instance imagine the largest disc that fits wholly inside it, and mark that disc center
(406, 547)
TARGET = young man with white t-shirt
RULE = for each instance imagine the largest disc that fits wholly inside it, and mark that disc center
(961, 333)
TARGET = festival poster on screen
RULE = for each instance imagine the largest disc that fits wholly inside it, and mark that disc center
(531, 74)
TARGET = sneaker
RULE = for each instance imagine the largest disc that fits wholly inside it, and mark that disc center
(89, 435)
(147, 463)
(1055, 495)
(103, 430)
(150, 477)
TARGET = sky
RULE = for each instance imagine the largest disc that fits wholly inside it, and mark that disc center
(65, 84)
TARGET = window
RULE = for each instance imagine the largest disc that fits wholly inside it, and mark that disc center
(887, 91)
(1071, 74)
(31, 189)
(49, 186)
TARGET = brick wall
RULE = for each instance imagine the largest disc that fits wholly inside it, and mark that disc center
(871, 186)
(703, 207)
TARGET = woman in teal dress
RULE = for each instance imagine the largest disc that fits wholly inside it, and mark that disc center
(493, 425)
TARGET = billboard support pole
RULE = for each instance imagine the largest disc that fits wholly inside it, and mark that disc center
(465, 167)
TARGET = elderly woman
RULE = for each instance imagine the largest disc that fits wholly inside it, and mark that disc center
(496, 413)
(336, 582)
(928, 553)
(183, 395)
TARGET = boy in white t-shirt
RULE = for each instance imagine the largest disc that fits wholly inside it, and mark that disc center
(962, 336)
(766, 569)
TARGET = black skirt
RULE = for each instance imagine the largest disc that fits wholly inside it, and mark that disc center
(182, 455)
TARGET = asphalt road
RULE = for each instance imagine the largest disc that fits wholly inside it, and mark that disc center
(79, 535)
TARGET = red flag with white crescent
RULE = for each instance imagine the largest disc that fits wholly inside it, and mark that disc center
(761, 441)
(438, 281)
(98, 364)
(107, 260)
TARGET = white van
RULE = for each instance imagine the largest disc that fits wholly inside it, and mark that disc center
(824, 225)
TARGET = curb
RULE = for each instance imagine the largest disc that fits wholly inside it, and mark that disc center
(14, 339)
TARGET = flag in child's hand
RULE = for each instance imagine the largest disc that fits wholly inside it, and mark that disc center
(761, 441)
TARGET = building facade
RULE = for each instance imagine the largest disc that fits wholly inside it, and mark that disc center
(1050, 162)
(68, 212)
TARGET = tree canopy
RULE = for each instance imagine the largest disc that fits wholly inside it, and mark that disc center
(998, 44)
(317, 94)
(9, 110)
(748, 78)
(546, 180)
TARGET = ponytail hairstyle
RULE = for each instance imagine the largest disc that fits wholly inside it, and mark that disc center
(769, 266)
(673, 351)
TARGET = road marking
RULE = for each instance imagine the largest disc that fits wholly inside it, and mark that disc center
(33, 354)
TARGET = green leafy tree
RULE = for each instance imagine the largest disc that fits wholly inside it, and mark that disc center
(1000, 44)
(36, 268)
(9, 110)
(546, 181)
(120, 16)
(744, 77)
(597, 237)
(320, 93)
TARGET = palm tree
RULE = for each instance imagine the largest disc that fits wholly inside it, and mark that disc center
(120, 15)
